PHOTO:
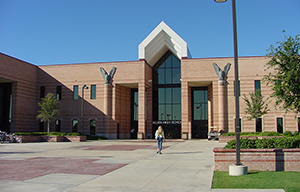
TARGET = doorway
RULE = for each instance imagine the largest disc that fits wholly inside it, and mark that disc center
(199, 112)
(5, 106)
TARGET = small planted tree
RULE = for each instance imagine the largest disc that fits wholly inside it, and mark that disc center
(284, 79)
(256, 105)
(49, 110)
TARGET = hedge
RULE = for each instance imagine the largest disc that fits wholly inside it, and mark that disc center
(271, 143)
(45, 133)
(287, 134)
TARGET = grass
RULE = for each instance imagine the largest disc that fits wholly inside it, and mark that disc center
(289, 181)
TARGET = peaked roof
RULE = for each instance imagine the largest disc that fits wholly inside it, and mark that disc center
(159, 41)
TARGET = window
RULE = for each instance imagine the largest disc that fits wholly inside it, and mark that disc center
(258, 124)
(169, 71)
(279, 124)
(42, 91)
(41, 126)
(92, 127)
(298, 124)
(57, 125)
(167, 88)
(200, 105)
(58, 92)
(257, 85)
(135, 108)
(169, 103)
(93, 91)
(75, 125)
(75, 92)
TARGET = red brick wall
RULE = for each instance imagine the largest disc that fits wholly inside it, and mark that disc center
(259, 159)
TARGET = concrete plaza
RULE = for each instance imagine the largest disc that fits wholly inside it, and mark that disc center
(109, 165)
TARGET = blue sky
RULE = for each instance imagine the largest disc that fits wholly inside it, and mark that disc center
(82, 31)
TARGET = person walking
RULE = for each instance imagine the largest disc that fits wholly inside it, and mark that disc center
(159, 136)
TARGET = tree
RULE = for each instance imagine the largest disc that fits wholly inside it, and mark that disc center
(256, 105)
(284, 79)
(49, 110)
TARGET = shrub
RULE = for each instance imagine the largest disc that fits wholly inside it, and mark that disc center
(287, 134)
(45, 133)
(228, 134)
(271, 143)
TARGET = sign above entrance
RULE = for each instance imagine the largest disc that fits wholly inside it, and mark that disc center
(178, 122)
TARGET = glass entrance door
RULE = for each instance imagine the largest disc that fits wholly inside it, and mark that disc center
(200, 113)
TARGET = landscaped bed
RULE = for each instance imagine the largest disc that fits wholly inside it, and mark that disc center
(267, 154)
(51, 137)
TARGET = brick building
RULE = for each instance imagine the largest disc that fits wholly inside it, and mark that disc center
(165, 86)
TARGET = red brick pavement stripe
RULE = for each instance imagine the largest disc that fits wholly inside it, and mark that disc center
(119, 147)
(20, 170)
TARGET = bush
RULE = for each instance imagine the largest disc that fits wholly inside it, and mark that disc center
(45, 133)
(254, 134)
(272, 143)
(287, 134)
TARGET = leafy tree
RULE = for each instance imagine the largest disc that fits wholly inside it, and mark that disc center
(256, 105)
(49, 110)
(284, 79)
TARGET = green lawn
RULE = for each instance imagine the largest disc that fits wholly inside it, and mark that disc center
(289, 181)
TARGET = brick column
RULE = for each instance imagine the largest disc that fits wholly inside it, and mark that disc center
(222, 104)
(142, 111)
(186, 131)
(108, 110)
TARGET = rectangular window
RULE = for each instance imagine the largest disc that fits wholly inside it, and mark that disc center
(57, 125)
(58, 92)
(42, 91)
(258, 125)
(279, 124)
(93, 91)
(75, 125)
(75, 92)
(93, 127)
(41, 126)
(298, 124)
(257, 85)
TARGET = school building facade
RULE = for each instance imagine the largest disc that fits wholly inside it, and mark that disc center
(130, 99)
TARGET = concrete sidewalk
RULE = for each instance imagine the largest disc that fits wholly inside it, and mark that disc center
(112, 165)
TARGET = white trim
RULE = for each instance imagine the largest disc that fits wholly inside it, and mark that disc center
(159, 41)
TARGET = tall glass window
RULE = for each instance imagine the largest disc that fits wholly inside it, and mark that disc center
(58, 92)
(42, 91)
(92, 127)
(257, 85)
(200, 105)
(75, 92)
(57, 125)
(135, 106)
(93, 91)
(168, 87)
(279, 124)
(298, 124)
(258, 122)
(75, 125)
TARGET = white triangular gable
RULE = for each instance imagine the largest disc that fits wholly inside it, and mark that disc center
(159, 41)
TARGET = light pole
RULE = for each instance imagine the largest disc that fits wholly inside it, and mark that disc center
(82, 106)
(238, 169)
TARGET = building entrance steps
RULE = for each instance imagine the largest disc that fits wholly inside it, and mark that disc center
(109, 165)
